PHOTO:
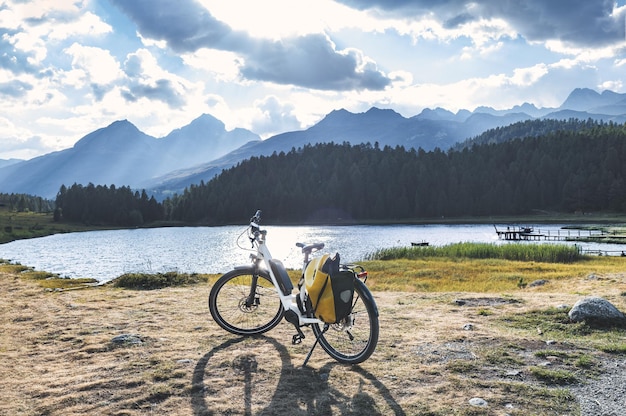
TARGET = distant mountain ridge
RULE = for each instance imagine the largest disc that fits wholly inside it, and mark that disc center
(121, 154)
(430, 129)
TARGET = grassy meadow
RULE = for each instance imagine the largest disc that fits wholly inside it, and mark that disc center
(23, 225)
(453, 327)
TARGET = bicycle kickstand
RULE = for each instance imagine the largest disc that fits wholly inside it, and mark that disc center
(317, 339)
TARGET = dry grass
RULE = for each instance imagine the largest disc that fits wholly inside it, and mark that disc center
(58, 358)
(443, 274)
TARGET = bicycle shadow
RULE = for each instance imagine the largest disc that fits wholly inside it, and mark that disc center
(299, 390)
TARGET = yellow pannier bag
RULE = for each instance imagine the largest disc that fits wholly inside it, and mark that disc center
(330, 290)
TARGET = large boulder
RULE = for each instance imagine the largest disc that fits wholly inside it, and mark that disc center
(596, 310)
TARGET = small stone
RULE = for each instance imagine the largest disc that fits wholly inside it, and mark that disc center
(562, 307)
(185, 361)
(468, 327)
(478, 402)
(550, 342)
(536, 283)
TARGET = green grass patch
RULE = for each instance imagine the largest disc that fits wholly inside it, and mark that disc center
(501, 356)
(614, 348)
(528, 399)
(23, 225)
(585, 361)
(44, 279)
(13, 268)
(553, 322)
(558, 377)
(462, 366)
(549, 253)
(575, 358)
(145, 281)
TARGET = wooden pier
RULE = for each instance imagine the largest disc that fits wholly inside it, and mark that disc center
(531, 234)
(517, 233)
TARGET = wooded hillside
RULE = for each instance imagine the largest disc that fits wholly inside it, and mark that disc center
(566, 170)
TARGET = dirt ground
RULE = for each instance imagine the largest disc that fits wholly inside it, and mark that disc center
(436, 352)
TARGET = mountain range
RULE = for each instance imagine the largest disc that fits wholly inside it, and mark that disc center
(121, 154)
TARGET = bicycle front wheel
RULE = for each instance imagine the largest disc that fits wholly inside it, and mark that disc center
(245, 302)
(354, 339)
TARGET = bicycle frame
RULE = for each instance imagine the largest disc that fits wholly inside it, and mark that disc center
(263, 256)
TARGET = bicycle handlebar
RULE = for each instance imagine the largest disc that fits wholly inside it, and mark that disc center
(254, 225)
(256, 218)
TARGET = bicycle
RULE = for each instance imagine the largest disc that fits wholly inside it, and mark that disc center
(253, 299)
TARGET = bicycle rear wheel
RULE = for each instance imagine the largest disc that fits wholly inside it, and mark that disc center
(354, 339)
(241, 309)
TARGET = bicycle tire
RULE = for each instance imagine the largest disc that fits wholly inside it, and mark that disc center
(227, 303)
(355, 342)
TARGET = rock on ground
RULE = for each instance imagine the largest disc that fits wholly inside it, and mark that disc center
(597, 310)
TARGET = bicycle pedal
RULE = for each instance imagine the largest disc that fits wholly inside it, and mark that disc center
(297, 339)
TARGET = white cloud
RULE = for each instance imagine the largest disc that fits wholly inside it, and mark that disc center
(274, 19)
(584, 54)
(148, 42)
(66, 69)
(29, 44)
(39, 9)
(528, 76)
(272, 116)
(86, 24)
(615, 85)
(17, 142)
(99, 65)
(52, 21)
(223, 66)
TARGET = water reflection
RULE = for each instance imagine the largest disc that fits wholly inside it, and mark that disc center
(104, 255)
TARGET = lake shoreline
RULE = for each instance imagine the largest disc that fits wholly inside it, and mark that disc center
(20, 226)
(107, 254)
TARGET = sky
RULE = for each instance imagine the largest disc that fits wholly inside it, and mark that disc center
(69, 67)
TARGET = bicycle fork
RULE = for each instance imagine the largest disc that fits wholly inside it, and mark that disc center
(252, 299)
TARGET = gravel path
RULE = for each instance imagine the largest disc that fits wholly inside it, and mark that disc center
(605, 396)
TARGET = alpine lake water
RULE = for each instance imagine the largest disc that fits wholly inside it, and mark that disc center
(105, 255)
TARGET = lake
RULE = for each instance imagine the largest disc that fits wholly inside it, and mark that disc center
(105, 255)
